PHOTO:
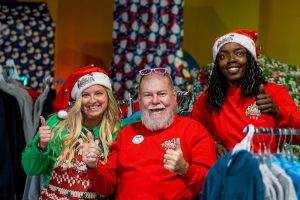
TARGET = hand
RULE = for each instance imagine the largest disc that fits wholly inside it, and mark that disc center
(91, 152)
(174, 160)
(265, 102)
(221, 149)
(45, 134)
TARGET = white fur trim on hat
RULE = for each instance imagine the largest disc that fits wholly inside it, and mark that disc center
(241, 39)
(89, 80)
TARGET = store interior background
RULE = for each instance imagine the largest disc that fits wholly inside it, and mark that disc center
(84, 29)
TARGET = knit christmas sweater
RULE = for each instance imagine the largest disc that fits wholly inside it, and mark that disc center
(135, 168)
(60, 182)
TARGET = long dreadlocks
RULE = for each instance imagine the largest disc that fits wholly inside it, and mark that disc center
(217, 84)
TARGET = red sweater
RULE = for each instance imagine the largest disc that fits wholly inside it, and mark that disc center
(235, 116)
(136, 171)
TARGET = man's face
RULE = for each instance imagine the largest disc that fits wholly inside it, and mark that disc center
(157, 101)
(232, 63)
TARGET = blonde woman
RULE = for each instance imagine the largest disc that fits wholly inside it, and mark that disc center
(56, 150)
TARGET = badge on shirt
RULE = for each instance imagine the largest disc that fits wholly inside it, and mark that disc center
(138, 139)
(253, 112)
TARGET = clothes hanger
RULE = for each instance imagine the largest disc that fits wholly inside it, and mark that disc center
(289, 148)
(278, 145)
(1, 74)
(11, 70)
(245, 144)
(267, 151)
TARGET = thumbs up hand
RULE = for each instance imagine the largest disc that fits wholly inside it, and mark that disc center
(45, 134)
(265, 102)
(174, 160)
(91, 152)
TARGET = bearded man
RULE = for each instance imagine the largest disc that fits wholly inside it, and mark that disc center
(165, 156)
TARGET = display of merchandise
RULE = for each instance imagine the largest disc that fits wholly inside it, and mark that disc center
(147, 34)
(27, 37)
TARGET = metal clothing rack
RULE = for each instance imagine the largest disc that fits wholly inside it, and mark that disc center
(184, 99)
(129, 102)
(278, 131)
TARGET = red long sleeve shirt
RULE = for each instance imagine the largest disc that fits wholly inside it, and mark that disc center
(136, 171)
(235, 115)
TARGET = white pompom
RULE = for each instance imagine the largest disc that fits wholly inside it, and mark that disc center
(62, 114)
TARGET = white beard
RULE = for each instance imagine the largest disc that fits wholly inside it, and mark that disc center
(155, 123)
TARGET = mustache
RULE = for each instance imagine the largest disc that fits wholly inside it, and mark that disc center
(159, 106)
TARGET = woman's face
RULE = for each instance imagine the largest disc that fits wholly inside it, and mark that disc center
(94, 102)
(232, 63)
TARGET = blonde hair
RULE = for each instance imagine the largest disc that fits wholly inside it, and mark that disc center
(109, 125)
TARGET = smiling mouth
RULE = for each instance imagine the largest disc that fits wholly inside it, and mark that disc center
(94, 107)
(156, 110)
(233, 69)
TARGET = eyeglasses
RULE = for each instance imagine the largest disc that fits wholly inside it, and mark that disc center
(158, 70)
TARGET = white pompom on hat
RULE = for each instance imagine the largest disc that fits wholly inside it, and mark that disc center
(75, 84)
(244, 37)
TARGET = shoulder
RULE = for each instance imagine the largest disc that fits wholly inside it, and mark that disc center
(127, 132)
(200, 104)
(192, 131)
(189, 123)
(53, 119)
(129, 127)
(201, 97)
(273, 88)
(54, 116)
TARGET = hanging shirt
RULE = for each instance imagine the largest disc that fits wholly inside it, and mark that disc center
(285, 181)
(239, 180)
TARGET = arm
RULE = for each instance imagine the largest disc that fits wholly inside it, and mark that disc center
(40, 160)
(199, 111)
(288, 114)
(200, 155)
(104, 176)
(35, 161)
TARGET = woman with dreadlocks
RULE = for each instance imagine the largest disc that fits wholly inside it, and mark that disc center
(238, 94)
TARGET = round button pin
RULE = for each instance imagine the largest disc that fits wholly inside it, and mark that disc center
(138, 139)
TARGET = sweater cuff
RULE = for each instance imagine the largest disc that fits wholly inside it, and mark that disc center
(280, 116)
(188, 176)
(93, 172)
(36, 148)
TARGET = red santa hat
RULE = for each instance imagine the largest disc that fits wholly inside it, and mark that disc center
(75, 84)
(246, 38)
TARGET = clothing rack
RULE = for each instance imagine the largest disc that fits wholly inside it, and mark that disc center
(183, 99)
(129, 102)
(278, 131)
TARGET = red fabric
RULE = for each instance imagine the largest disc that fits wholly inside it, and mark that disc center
(124, 109)
(34, 94)
(137, 171)
(228, 126)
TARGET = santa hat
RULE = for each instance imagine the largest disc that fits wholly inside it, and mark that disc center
(246, 38)
(75, 84)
